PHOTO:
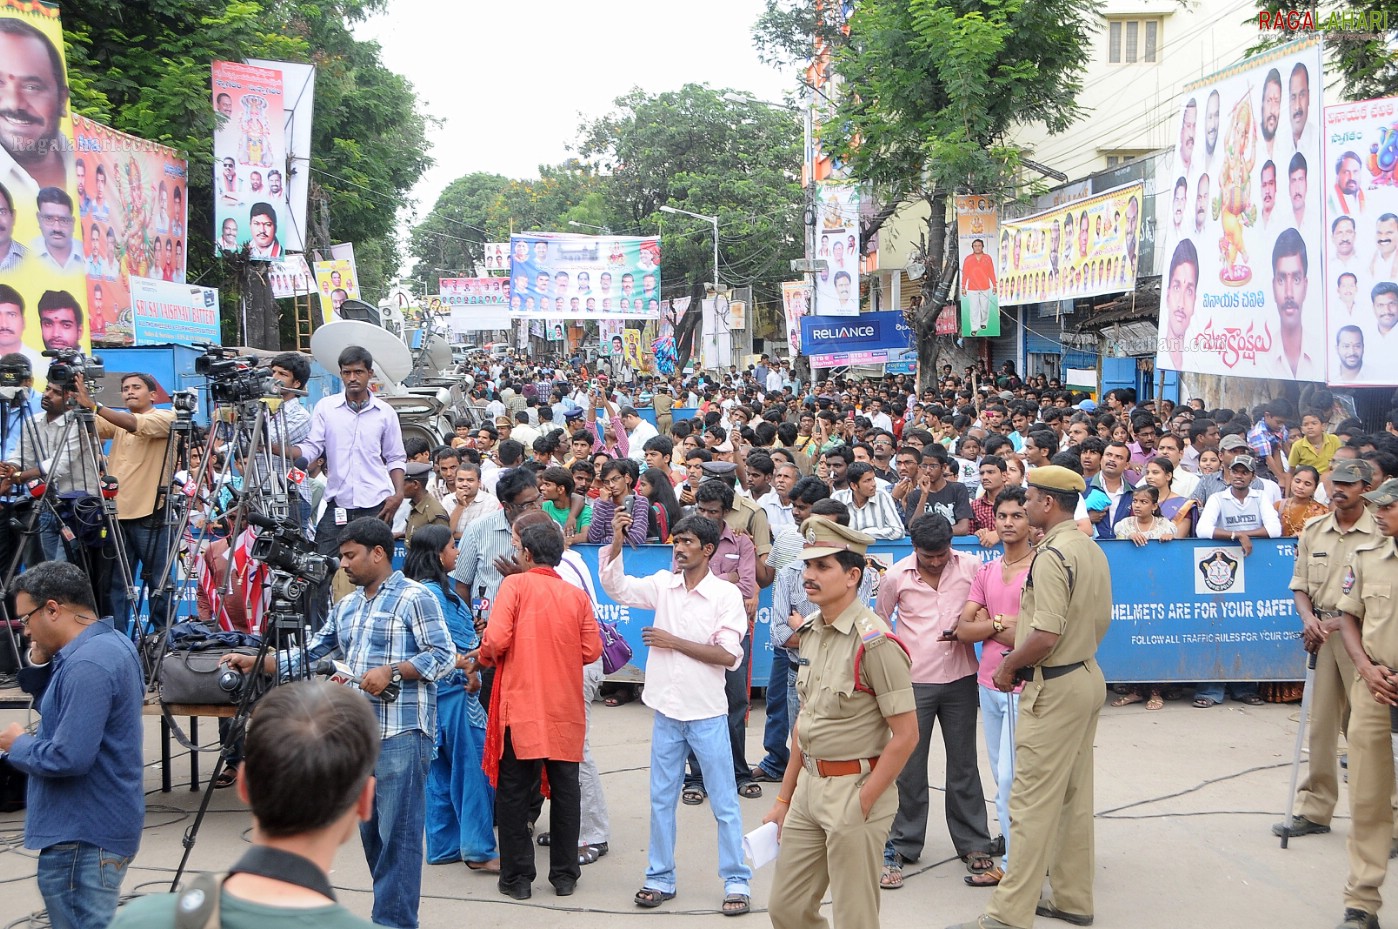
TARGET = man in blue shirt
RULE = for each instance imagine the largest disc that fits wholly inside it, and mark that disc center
(19, 406)
(86, 804)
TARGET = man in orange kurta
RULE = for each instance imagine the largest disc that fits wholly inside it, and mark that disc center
(977, 283)
(541, 633)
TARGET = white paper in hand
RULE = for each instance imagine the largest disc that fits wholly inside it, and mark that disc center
(760, 845)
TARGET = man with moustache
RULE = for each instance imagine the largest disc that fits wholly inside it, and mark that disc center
(12, 328)
(1187, 130)
(1271, 109)
(1201, 202)
(1211, 120)
(56, 248)
(1299, 106)
(1346, 196)
(1083, 230)
(1384, 265)
(1180, 292)
(262, 219)
(1289, 279)
(1384, 341)
(1181, 197)
(1268, 183)
(1349, 348)
(60, 320)
(1342, 233)
(1346, 287)
(11, 252)
(1297, 183)
(32, 152)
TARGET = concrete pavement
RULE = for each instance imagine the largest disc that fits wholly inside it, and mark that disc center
(1185, 799)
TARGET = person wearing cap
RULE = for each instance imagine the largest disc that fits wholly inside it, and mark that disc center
(1065, 610)
(745, 518)
(1325, 548)
(424, 510)
(855, 731)
(1369, 626)
(1229, 448)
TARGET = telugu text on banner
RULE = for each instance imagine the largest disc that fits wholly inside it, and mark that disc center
(584, 277)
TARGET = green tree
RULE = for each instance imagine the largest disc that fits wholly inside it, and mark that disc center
(143, 68)
(930, 92)
(1360, 50)
(452, 234)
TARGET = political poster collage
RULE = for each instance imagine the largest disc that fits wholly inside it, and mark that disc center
(1084, 248)
(837, 243)
(796, 303)
(497, 256)
(251, 197)
(336, 281)
(1240, 218)
(1361, 222)
(560, 276)
(977, 228)
(43, 273)
(473, 291)
(132, 207)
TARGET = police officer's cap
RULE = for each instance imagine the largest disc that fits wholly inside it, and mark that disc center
(826, 537)
(1056, 478)
(1352, 471)
(723, 469)
(417, 471)
(1386, 493)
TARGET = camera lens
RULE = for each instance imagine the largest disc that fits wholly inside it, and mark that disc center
(230, 680)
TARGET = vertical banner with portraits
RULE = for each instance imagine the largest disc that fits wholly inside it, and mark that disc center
(132, 207)
(977, 229)
(497, 256)
(336, 282)
(837, 242)
(43, 273)
(557, 330)
(298, 107)
(610, 340)
(250, 199)
(632, 343)
(796, 302)
(584, 276)
(1240, 220)
(290, 277)
(1361, 223)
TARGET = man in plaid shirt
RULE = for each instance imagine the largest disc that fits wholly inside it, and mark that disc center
(389, 631)
(1267, 439)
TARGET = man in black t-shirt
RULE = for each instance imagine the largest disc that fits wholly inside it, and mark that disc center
(935, 494)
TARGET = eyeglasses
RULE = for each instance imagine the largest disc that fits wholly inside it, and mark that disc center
(23, 618)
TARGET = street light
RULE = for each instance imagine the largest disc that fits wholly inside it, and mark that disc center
(711, 219)
(605, 230)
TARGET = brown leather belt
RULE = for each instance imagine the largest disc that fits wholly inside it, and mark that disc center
(840, 768)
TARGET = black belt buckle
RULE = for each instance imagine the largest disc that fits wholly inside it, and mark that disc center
(1024, 675)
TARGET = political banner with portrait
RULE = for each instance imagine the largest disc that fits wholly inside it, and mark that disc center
(837, 243)
(497, 256)
(290, 277)
(164, 312)
(557, 330)
(556, 275)
(1084, 248)
(632, 344)
(1240, 215)
(132, 199)
(610, 340)
(43, 273)
(977, 232)
(796, 302)
(474, 291)
(336, 282)
(250, 194)
(1361, 262)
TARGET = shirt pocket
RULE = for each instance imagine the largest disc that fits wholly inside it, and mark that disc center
(1317, 570)
(1378, 599)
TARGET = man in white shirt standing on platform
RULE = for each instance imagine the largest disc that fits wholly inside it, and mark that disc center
(700, 622)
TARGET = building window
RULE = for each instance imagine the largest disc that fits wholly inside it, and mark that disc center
(1117, 158)
(1130, 41)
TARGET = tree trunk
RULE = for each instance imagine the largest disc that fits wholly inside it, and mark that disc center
(684, 328)
(935, 259)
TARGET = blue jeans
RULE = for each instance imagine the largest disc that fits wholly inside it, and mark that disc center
(51, 536)
(393, 836)
(995, 709)
(793, 699)
(778, 726)
(737, 687)
(671, 740)
(1214, 690)
(149, 548)
(80, 884)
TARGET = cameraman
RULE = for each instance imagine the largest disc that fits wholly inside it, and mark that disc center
(17, 436)
(288, 426)
(140, 437)
(311, 751)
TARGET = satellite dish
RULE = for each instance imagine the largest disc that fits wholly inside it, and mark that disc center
(392, 360)
(439, 353)
(361, 311)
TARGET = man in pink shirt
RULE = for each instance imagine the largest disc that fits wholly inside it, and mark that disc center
(989, 617)
(928, 589)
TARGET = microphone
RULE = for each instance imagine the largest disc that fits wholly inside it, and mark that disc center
(262, 521)
(109, 487)
(337, 672)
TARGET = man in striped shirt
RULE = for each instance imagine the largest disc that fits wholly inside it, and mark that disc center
(872, 511)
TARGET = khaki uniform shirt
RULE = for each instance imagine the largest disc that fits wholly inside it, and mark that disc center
(661, 402)
(137, 459)
(1070, 596)
(838, 723)
(1366, 592)
(424, 513)
(750, 518)
(1323, 552)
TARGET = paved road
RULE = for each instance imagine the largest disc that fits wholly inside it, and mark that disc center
(1184, 798)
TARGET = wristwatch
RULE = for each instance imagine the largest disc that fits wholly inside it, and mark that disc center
(998, 625)
(396, 676)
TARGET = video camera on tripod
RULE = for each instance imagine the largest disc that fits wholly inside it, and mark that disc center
(234, 378)
(68, 363)
(294, 562)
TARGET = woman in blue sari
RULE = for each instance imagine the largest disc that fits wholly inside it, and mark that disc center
(460, 800)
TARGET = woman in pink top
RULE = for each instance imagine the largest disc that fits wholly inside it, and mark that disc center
(989, 617)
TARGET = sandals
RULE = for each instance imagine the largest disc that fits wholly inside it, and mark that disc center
(751, 790)
(891, 878)
(587, 854)
(649, 898)
(1252, 700)
(227, 777)
(485, 867)
(736, 904)
(1127, 699)
(978, 862)
(1204, 703)
(985, 878)
(761, 776)
(1156, 702)
(620, 697)
(693, 796)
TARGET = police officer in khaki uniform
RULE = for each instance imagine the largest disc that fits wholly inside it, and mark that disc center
(1067, 602)
(1369, 624)
(1326, 547)
(855, 731)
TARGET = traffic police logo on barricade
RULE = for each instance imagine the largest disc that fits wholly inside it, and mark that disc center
(1221, 572)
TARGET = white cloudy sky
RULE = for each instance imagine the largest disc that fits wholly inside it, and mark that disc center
(509, 80)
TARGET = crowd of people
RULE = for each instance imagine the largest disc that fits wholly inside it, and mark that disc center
(482, 657)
